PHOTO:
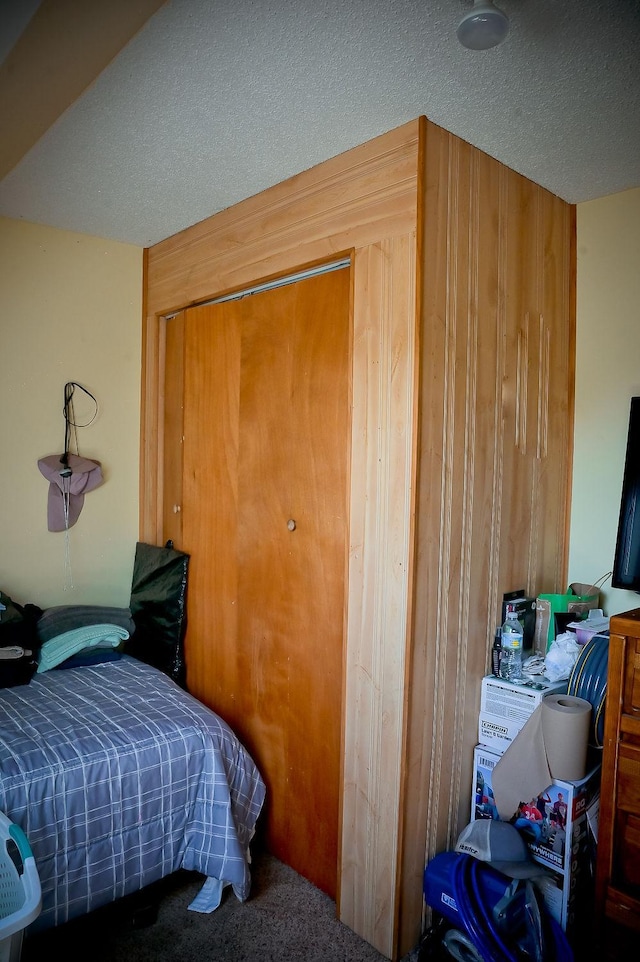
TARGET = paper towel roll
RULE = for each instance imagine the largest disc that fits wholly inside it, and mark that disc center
(566, 722)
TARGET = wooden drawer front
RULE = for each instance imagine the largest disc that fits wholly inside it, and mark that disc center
(626, 868)
(631, 700)
(629, 779)
(622, 908)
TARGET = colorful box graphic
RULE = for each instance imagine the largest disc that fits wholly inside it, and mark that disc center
(560, 827)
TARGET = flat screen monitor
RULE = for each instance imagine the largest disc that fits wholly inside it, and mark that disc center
(626, 563)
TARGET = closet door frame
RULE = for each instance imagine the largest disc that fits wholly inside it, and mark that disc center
(363, 204)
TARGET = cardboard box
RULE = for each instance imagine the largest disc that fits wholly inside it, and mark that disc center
(482, 801)
(505, 706)
(568, 893)
(497, 733)
(564, 839)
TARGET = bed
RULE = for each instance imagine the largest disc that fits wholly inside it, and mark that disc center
(119, 777)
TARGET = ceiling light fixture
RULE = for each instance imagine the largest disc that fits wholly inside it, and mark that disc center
(483, 27)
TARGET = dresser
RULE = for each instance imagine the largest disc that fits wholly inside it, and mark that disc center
(618, 860)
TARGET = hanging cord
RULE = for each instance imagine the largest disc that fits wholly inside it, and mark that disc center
(70, 422)
(67, 582)
(601, 580)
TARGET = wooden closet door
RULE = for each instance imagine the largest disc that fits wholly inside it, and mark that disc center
(264, 517)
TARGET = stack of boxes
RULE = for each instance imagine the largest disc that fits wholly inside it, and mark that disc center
(506, 706)
(563, 839)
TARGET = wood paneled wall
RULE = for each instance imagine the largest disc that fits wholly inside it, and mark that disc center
(460, 459)
(496, 424)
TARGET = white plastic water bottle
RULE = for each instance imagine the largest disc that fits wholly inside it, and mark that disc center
(511, 659)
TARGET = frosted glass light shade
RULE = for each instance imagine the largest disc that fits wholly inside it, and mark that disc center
(483, 27)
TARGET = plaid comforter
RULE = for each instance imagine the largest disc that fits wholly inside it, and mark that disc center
(118, 777)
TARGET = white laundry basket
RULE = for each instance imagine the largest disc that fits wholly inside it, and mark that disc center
(20, 894)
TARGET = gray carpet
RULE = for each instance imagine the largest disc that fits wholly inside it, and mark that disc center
(284, 918)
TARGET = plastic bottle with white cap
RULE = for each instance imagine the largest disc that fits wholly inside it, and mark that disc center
(512, 637)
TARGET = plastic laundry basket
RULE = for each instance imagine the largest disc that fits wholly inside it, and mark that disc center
(20, 894)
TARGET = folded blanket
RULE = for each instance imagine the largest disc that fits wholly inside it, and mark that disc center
(58, 649)
(62, 618)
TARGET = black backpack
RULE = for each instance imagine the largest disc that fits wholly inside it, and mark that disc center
(19, 642)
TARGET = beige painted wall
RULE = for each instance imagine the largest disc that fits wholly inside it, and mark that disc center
(607, 376)
(70, 310)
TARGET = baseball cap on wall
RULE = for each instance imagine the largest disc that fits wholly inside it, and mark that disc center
(501, 846)
(69, 482)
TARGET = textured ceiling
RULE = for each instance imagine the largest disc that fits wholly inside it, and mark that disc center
(213, 101)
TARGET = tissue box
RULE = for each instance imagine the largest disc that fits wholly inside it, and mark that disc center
(594, 624)
(565, 845)
(505, 706)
